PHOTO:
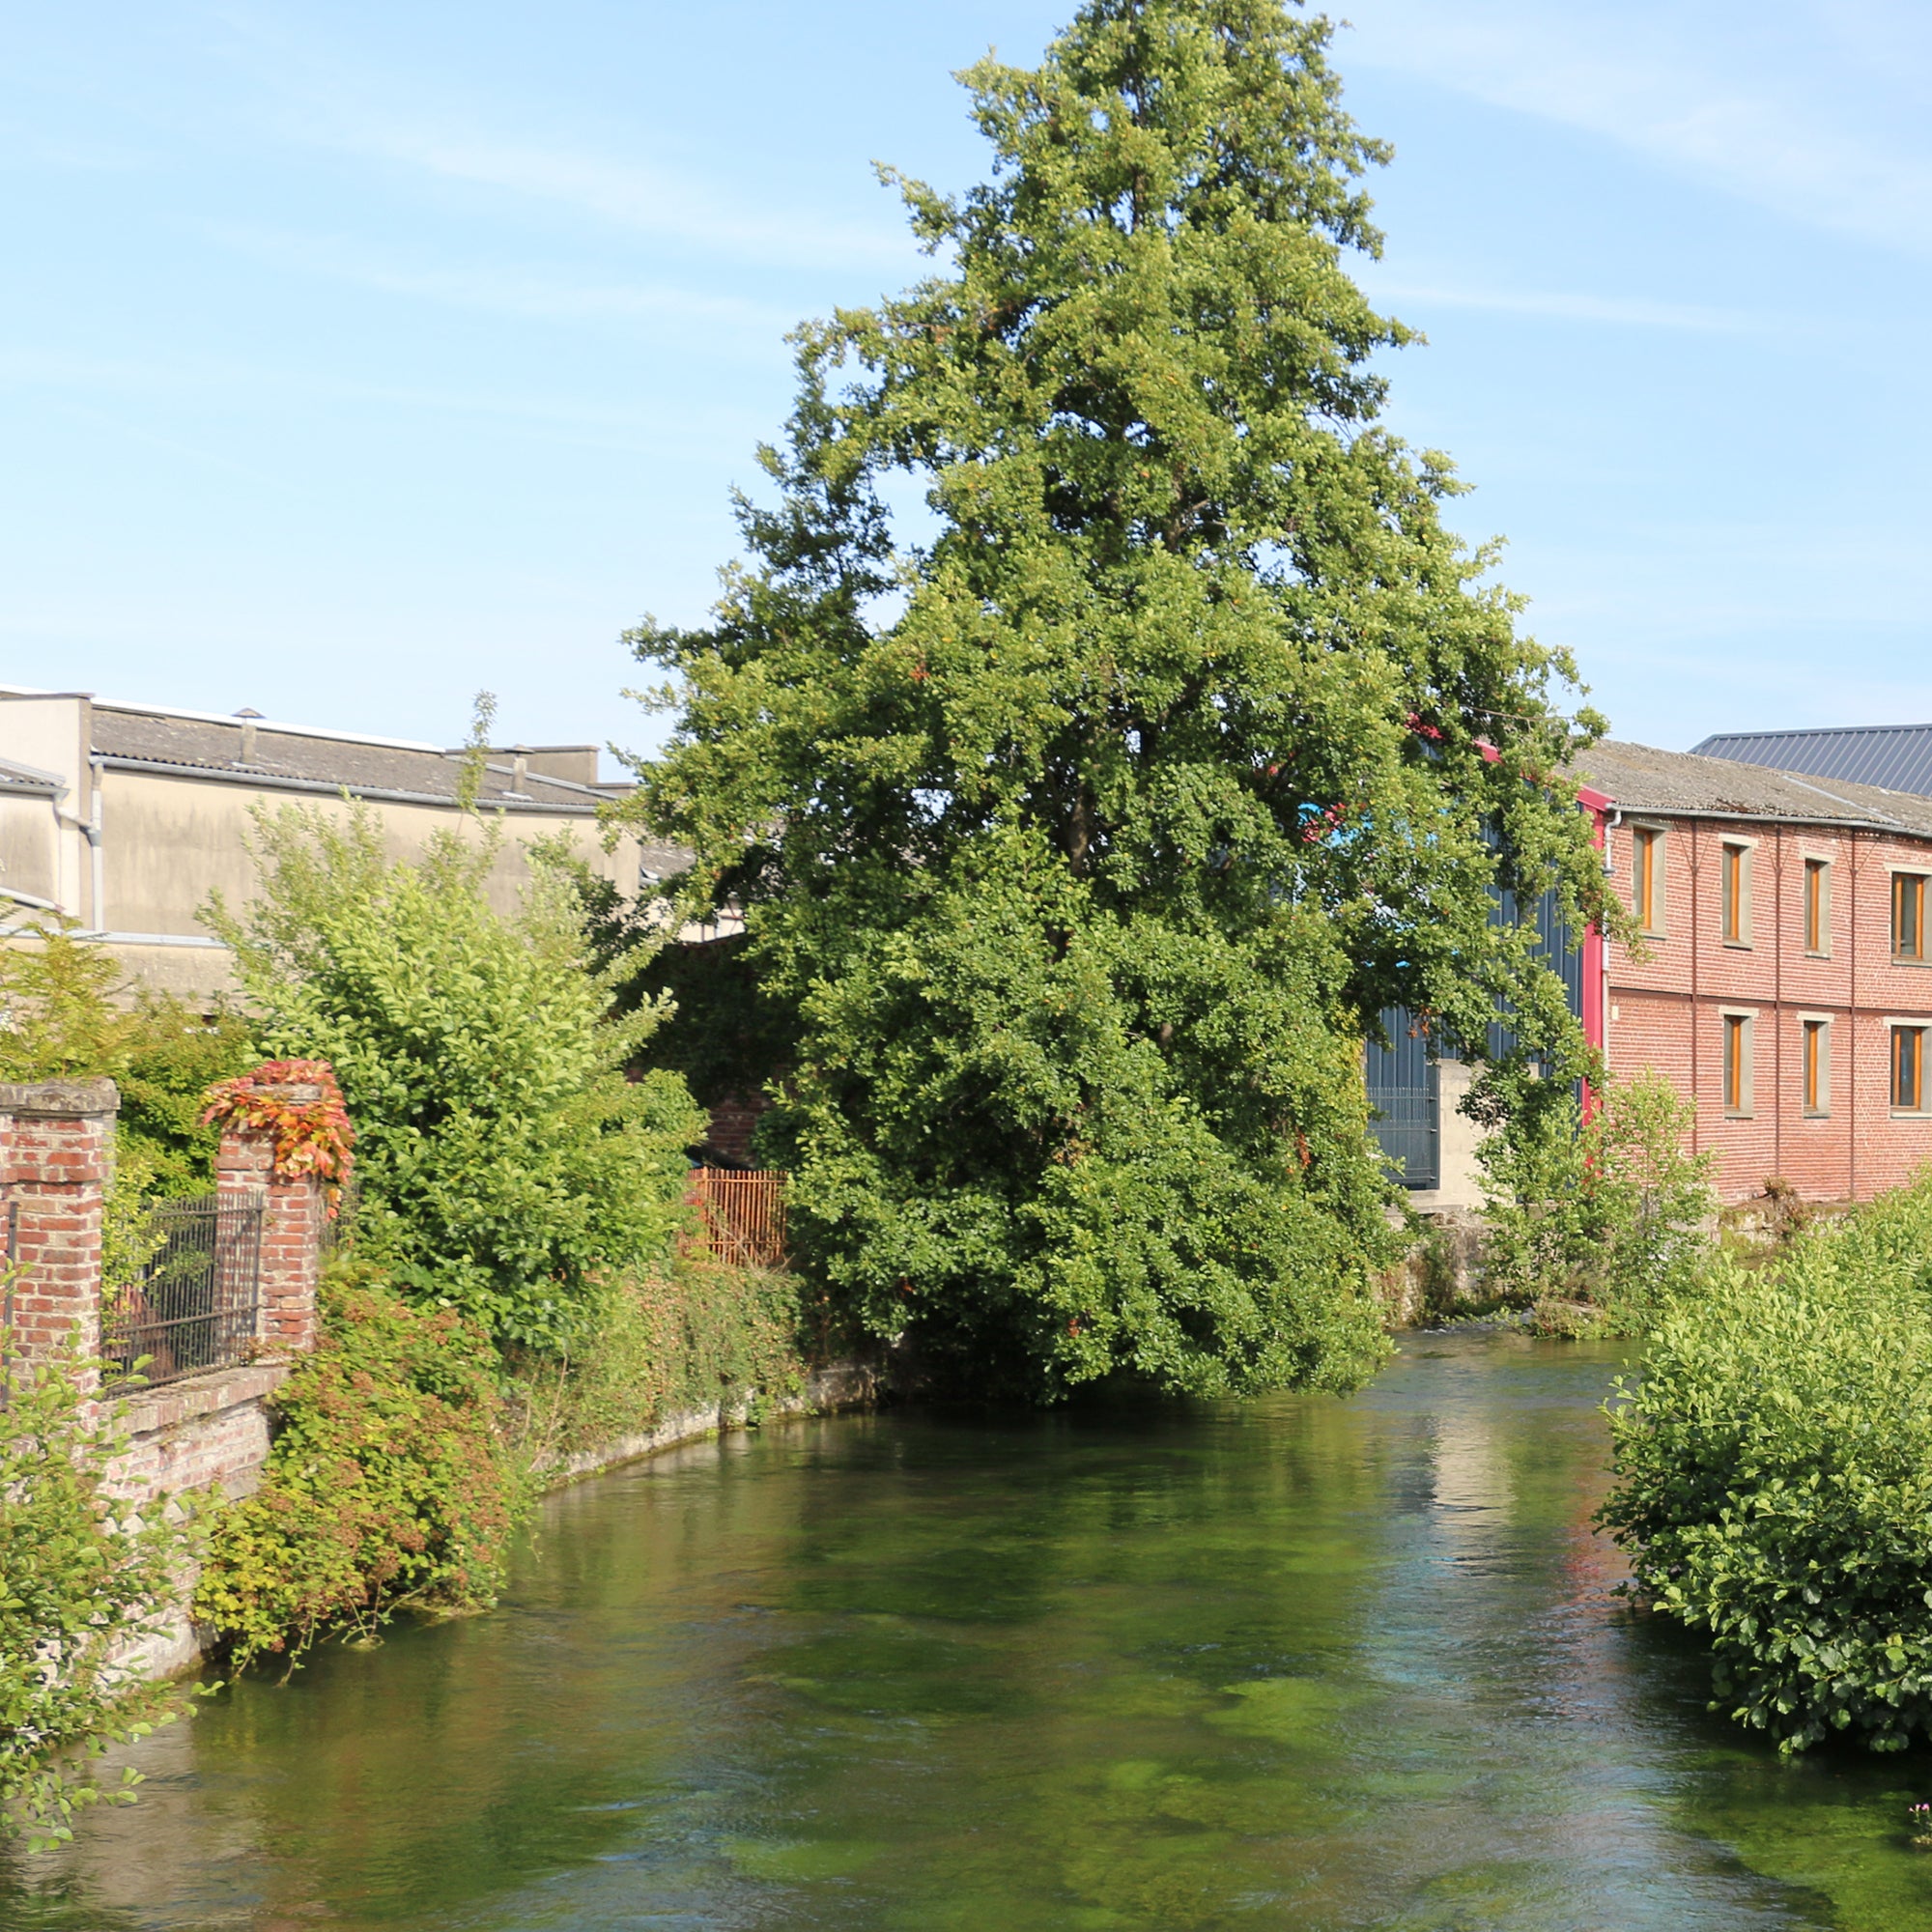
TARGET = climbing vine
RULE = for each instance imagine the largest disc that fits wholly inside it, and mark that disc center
(310, 1136)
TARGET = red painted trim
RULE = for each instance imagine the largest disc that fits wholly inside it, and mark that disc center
(1596, 990)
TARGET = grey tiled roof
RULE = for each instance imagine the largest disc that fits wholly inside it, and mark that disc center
(1897, 756)
(31, 778)
(298, 761)
(1639, 778)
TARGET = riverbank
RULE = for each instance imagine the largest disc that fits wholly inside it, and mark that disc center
(830, 1390)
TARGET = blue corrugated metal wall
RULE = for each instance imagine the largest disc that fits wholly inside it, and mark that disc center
(1405, 1088)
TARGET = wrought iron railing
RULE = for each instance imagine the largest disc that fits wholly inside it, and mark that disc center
(338, 1229)
(743, 1214)
(194, 1307)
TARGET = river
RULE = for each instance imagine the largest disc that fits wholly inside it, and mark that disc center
(1296, 1664)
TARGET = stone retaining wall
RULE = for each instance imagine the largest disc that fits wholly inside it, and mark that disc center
(839, 1385)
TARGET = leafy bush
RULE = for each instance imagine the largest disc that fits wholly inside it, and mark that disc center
(1773, 1469)
(386, 1488)
(81, 1582)
(1606, 1219)
(506, 1163)
(67, 1016)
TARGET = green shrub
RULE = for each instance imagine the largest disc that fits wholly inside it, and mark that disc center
(386, 1488)
(69, 1016)
(1607, 1221)
(1773, 1470)
(505, 1162)
(81, 1582)
(698, 1335)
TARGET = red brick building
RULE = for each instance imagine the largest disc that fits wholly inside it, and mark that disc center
(1785, 978)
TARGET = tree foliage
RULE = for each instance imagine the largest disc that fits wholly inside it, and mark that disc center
(66, 1014)
(1083, 827)
(504, 1159)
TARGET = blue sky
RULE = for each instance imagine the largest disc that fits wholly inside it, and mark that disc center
(357, 356)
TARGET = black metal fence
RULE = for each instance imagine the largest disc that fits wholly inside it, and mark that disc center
(338, 1229)
(194, 1307)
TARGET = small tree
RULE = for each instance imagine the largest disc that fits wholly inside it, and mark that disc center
(1082, 835)
(505, 1161)
(1613, 1212)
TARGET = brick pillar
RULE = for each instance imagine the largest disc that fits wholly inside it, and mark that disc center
(59, 1156)
(292, 1222)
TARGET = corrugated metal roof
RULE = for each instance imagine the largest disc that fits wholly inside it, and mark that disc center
(1639, 778)
(1897, 756)
(191, 745)
(16, 777)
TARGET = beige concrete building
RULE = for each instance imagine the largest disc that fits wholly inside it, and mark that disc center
(126, 817)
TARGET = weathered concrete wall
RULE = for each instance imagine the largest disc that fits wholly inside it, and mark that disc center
(167, 843)
(1442, 1273)
(157, 838)
(1459, 1176)
(839, 1385)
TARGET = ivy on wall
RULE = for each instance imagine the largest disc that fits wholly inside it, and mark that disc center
(310, 1136)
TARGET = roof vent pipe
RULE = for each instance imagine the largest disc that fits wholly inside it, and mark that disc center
(519, 768)
(247, 718)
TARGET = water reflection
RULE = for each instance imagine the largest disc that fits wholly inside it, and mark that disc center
(1301, 1663)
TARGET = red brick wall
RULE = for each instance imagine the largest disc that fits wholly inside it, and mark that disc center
(1666, 1010)
(56, 1156)
(291, 1217)
(58, 1141)
(732, 1121)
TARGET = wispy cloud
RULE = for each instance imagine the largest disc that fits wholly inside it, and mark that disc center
(71, 153)
(182, 384)
(314, 95)
(1777, 129)
(507, 291)
(650, 200)
(1616, 311)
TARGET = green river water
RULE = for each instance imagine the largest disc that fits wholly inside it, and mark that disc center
(1297, 1663)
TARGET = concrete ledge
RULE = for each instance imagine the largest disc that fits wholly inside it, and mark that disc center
(180, 1646)
(59, 1100)
(836, 1386)
(146, 1412)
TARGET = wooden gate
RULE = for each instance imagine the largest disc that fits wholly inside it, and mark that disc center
(743, 1214)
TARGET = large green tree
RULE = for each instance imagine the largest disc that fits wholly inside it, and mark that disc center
(1082, 825)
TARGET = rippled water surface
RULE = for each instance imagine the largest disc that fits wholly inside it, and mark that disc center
(1301, 1663)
